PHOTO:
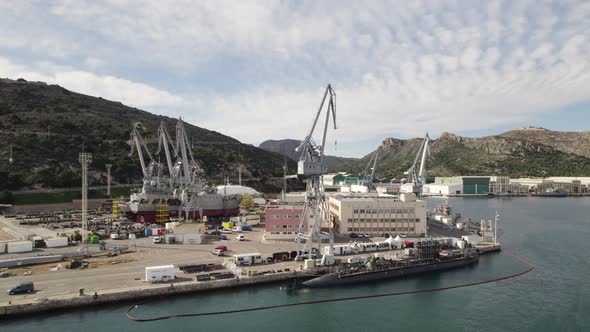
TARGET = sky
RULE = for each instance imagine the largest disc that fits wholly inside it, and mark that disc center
(257, 70)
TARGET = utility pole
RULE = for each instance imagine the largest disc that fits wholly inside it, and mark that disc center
(85, 159)
(108, 166)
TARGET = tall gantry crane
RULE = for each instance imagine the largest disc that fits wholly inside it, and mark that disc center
(372, 165)
(417, 178)
(311, 167)
(140, 146)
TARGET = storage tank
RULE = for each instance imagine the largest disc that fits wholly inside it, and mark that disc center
(19, 246)
(57, 242)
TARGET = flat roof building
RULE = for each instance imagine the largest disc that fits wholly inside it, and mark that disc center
(282, 221)
(378, 215)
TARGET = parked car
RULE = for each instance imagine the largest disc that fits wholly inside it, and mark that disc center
(402, 235)
(226, 231)
(367, 236)
(24, 287)
(223, 237)
(159, 239)
(354, 235)
(224, 248)
(237, 229)
(215, 232)
(217, 252)
(361, 235)
(241, 237)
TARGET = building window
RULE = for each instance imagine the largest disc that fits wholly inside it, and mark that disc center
(356, 211)
(417, 219)
(349, 220)
(399, 210)
(405, 210)
(350, 229)
(411, 210)
(284, 226)
(374, 210)
(362, 211)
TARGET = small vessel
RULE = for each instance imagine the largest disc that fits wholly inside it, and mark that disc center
(553, 192)
(428, 258)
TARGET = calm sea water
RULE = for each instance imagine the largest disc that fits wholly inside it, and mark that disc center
(551, 233)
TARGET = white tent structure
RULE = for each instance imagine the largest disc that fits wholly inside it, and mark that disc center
(236, 190)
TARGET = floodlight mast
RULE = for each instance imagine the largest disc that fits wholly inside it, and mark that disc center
(311, 167)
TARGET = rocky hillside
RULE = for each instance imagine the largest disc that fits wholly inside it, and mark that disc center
(287, 147)
(514, 154)
(566, 141)
(47, 126)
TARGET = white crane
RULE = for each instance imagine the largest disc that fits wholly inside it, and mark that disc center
(372, 164)
(165, 141)
(418, 178)
(311, 167)
(148, 172)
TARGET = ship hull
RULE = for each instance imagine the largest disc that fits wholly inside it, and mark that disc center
(333, 279)
(150, 216)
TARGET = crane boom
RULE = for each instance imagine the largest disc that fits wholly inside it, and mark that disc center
(139, 146)
(164, 140)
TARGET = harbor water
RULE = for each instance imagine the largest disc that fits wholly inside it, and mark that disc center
(553, 234)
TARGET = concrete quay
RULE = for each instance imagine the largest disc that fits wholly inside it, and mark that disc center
(40, 305)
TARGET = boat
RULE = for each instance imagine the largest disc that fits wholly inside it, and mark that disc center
(429, 258)
(553, 192)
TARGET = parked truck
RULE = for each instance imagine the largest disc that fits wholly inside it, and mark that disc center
(248, 259)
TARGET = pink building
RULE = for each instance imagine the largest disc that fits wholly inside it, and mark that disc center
(282, 221)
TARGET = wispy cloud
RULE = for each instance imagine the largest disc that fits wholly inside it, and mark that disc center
(256, 70)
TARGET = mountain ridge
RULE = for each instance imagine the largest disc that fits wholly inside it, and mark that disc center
(47, 126)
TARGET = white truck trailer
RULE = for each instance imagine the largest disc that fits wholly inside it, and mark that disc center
(57, 242)
(19, 246)
(161, 273)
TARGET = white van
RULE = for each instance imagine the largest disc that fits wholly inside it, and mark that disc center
(241, 237)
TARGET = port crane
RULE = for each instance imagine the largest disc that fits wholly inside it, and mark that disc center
(164, 141)
(311, 167)
(417, 178)
(140, 146)
(372, 164)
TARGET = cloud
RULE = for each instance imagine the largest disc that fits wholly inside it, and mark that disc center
(256, 70)
(108, 87)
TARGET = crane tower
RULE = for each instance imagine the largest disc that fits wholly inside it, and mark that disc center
(85, 159)
(311, 167)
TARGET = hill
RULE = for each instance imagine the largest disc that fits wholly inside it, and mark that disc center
(48, 125)
(287, 147)
(516, 153)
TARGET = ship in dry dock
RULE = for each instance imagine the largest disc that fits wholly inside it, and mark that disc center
(427, 256)
(178, 186)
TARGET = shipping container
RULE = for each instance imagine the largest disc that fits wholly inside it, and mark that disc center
(2, 247)
(246, 228)
(148, 232)
(19, 246)
(192, 239)
(160, 273)
(57, 242)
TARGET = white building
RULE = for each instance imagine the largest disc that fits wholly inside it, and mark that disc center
(378, 215)
(442, 188)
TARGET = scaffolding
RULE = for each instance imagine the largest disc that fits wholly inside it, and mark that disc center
(115, 210)
(162, 216)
